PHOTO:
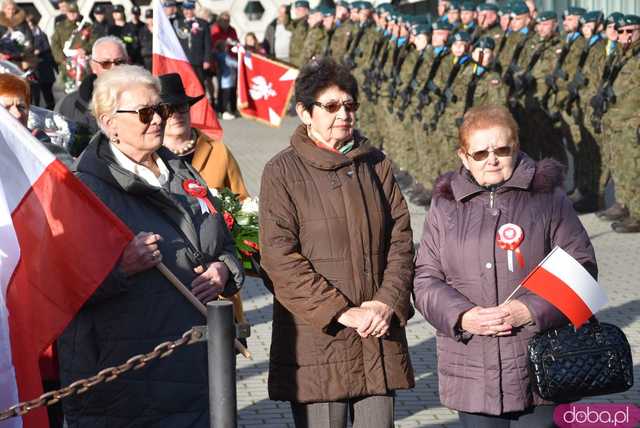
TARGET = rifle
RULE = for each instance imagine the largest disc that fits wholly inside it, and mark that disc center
(398, 60)
(508, 76)
(405, 95)
(424, 99)
(471, 90)
(503, 40)
(557, 73)
(349, 59)
(523, 81)
(368, 72)
(579, 80)
(447, 96)
(378, 73)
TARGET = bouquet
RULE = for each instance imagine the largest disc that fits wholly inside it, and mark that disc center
(241, 219)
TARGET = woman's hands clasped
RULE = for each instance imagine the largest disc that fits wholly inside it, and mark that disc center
(372, 318)
(497, 320)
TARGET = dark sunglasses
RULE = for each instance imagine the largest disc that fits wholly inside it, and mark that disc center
(110, 62)
(501, 152)
(145, 114)
(180, 108)
(334, 106)
(627, 31)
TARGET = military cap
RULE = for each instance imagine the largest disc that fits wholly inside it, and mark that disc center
(519, 8)
(453, 5)
(98, 9)
(148, 13)
(344, 3)
(356, 5)
(468, 6)
(135, 10)
(385, 7)
(547, 15)
(485, 43)
(118, 8)
(614, 17)
(592, 16)
(574, 11)
(505, 10)
(461, 36)
(169, 3)
(441, 25)
(487, 6)
(422, 29)
(73, 7)
(301, 3)
(366, 5)
(325, 10)
(631, 20)
(187, 4)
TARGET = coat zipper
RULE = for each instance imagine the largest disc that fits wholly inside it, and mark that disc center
(492, 197)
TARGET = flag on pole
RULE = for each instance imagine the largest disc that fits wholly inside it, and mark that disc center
(58, 242)
(566, 284)
(169, 57)
(264, 87)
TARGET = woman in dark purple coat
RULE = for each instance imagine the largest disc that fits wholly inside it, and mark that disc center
(464, 273)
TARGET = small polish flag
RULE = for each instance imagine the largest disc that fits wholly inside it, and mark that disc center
(566, 284)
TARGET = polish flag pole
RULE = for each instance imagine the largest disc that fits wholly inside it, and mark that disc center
(566, 284)
(169, 57)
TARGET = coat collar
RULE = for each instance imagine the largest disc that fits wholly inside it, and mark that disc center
(204, 147)
(326, 159)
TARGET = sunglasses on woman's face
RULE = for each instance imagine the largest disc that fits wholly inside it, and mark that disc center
(501, 152)
(334, 106)
(145, 114)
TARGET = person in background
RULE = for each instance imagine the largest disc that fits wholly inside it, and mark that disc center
(223, 31)
(146, 40)
(135, 18)
(193, 35)
(45, 68)
(277, 38)
(170, 8)
(64, 31)
(126, 32)
(251, 44)
(227, 67)
(62, 6)
(101, 25)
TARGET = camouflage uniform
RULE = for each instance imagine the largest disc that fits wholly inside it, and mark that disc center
(341, 39)
(62, 33)
(299, 29)
(315, 44)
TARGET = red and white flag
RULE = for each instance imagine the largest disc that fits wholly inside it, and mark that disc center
(58, 242)
(566, 284)
(169, 57)
(264, 87)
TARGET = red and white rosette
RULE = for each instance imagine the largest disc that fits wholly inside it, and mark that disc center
(509, 238)
(194, 188)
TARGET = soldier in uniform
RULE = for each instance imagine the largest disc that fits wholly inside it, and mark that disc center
(194, 36)
(321, 28)
(68, 30)
(126, 32)
(488, 22)
(299, 28)
(100, 27)
(468, 15)
(344, 33)
(453, 14)
(146, 40)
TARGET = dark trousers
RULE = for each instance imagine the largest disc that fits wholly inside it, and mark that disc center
(46, 89)
(366, 412)
(539, 417)
(226, 100)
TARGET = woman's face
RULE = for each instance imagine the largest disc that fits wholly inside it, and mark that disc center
(179, 123)
(17, 107)
(250, 40)
(326, 127)
(490, 155)
(136, 138)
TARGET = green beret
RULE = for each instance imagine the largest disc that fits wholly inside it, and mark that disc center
(422, 29)
(485, 43)
(367, 5)
(487, 6)
(504, 10)
(385, 7)
(547, 15)
(592, 16)
(301, 3)
(519, 8)
(614, 17)
(453, 5)
(631, 20)
(574, 11)
(461, 36)
(343, 3)
(468, 6)
(441, 25)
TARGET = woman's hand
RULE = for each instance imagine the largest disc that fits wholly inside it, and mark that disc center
(519, 313)
(210, 283)
(141, 254)
(370, 319)
(486, 321)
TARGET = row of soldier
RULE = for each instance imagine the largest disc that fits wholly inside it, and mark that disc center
(573, 86)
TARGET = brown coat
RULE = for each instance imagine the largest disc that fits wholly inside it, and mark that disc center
(459, 266)
(335, 232)
(215, 163)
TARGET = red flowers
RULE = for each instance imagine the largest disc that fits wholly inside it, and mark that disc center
(228, 219)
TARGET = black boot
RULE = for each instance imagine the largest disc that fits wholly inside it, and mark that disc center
(628, 225)
(586, 204)
(615, 212)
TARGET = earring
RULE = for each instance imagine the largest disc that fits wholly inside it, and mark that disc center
(114, 139)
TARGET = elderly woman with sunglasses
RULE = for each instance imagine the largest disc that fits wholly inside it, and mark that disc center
(165, 203)
(490, 223)
(337, 244)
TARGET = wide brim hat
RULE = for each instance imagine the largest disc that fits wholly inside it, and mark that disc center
(172, 90)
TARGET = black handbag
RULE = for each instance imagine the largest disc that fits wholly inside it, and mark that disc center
(567, 365)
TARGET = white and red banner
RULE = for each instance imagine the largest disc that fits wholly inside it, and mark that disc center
(264, 87)
(58, 242)
(566, 284)
(169, 57)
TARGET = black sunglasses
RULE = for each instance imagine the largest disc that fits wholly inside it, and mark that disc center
(501, 152)
(145, 114)
(627, 31)
(180, 108)
(334, 106)
(110, 62)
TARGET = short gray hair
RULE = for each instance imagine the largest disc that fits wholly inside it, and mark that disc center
(110, 85)
(108, 39)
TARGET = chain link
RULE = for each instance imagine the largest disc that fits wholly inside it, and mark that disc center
(196, 334)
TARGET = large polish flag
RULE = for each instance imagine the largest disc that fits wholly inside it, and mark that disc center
(566, 284)
(169, 57)
(58, 242)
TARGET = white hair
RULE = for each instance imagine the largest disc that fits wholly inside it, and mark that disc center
(110, 85)
(108, 39)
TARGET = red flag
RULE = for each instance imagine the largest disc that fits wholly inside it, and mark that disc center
(169, 57)
(58, 242)
(264, 87)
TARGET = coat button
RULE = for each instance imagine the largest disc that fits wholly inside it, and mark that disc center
(488, 265)
(350, 173)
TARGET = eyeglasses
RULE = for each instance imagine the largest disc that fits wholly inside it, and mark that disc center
(627, 31)
(180, 108)
(334, 106)
(501, 152)
(107, 64)
(145, 114)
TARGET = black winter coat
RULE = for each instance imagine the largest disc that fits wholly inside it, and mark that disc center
(131, 315)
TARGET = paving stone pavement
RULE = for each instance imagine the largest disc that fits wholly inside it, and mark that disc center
(618, 256)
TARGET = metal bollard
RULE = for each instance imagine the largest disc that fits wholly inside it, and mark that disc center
(222, 364)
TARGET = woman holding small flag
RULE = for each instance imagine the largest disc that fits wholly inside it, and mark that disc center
(165, 202)
(490, 224)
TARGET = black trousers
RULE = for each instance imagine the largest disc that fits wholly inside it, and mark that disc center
(226, 100)
(539, 417)
(46, 89)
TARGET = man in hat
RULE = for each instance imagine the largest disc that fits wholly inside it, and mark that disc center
(517, 38)
(194, 36)
(468, 15)
(146, 40)
(100, 27)
(344, 33)
(135, 18)
(81, 39)
(453, 14)
(299, 28)
(170, 8)
(321, 23)
(488, 21)
(126, 32)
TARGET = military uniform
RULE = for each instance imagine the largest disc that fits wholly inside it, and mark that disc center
(315, 44)
(63, 32)
(341, 39)
(299, 29)
(195, 39)
(129, 36)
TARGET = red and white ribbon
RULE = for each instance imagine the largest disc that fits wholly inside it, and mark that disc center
(194, 188)
(509, 238)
